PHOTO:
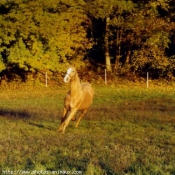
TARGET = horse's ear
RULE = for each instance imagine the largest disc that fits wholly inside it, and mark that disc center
(67, 65)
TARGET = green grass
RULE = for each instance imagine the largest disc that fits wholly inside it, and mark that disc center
(128, 130)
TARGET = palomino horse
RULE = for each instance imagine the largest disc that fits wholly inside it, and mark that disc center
(78, 98)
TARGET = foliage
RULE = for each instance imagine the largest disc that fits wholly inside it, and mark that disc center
(151, 52)
(37, 36)
(139, 34)
(42, 35)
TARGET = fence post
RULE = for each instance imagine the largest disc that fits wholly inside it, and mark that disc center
(147, 80)
(105, 77)
(46, 79)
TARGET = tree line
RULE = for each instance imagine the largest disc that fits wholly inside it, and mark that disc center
(123, 35)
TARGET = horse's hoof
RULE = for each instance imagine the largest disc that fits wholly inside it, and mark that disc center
(73, 119)
(59, 129)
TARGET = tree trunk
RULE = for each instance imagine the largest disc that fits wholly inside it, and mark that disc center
(106, 40)
(118, 49)
(128, 57)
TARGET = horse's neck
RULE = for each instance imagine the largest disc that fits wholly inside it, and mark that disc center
(75, 86)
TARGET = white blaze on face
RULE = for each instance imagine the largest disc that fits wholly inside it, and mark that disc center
(67, 77)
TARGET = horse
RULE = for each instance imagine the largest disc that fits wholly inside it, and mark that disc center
(79, 98)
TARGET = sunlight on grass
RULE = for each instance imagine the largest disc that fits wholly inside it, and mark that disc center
(128, 130)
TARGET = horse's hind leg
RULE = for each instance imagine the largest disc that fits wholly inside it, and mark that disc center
(63, 118)
(80, 117)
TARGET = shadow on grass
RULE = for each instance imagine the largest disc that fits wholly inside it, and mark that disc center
(41, 126)
(9, 113)
(35, 119)
(37, 125)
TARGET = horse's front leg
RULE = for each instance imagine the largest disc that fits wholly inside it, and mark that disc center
(63, 118)
(80, 117)
(66, 122)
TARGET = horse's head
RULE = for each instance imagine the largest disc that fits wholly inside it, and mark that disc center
(71, 73)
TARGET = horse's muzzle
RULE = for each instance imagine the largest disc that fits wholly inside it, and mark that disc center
(66, 79)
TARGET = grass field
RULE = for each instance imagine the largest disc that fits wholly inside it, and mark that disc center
(128, 130)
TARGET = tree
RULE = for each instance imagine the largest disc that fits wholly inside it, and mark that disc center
(129, 35)
(152, 38)
(113, 15)
(41, 35)
(101, 10)
(120, 30)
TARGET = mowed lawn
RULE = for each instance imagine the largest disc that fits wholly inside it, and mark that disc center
(128, 130)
